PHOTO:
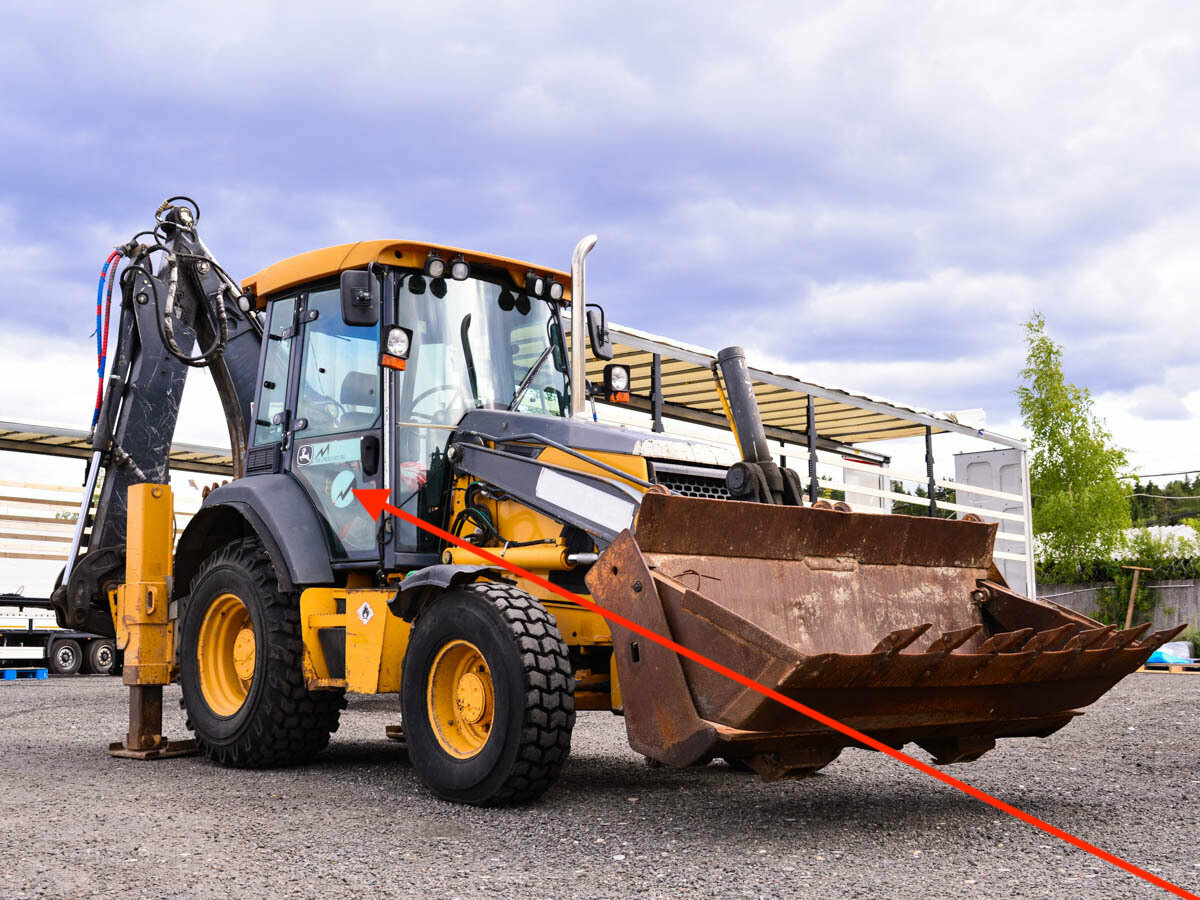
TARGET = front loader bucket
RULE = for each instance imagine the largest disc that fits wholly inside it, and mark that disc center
(898, 626)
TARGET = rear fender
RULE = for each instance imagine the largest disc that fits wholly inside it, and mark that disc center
(272, 508)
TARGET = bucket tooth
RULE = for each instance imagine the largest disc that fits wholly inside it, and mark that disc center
(901, 638)
(1000, 643)
(1156, 640)
(941, 648)
(1122, 639)
(1046, 640)
(1089, 638)
(798, 762)
(949, 641)
(967, 748)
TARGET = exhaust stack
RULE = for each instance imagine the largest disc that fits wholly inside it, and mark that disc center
(756, 478)
(578, 326)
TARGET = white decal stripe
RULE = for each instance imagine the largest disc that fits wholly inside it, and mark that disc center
(579, 497)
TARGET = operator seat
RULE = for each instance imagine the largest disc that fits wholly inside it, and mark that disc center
(361, 391)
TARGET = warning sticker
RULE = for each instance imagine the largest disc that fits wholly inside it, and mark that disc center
(365, 613)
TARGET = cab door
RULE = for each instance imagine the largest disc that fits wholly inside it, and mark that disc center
(335, 412)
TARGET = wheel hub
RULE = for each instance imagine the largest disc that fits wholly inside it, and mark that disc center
(460, 699)
(243, 654)
(225, 654)
(470, 697)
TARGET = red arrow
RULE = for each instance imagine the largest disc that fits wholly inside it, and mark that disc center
(376, 502)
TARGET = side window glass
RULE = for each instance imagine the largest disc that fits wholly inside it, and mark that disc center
(273, 391)
(339, 374)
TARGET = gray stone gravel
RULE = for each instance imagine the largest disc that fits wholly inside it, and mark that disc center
(75, 823)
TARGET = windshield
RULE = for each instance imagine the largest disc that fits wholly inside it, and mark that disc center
(475, 344)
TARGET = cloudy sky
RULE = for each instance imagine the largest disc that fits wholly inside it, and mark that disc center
(871, 194)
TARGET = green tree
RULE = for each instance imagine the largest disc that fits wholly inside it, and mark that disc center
(1080, 505)
(940, 494)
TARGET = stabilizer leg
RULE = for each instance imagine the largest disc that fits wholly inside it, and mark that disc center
(143, 625)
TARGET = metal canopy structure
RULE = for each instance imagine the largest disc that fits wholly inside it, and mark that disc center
(841, 418)
(57, 440)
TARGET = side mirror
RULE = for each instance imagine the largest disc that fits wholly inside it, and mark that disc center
(556, 347)
(598, 333)
(360, 305)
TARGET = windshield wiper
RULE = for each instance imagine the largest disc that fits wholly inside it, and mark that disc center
(528, 379)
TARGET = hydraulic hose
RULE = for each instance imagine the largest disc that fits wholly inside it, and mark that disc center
(108, 273)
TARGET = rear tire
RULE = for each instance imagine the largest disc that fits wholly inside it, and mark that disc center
(244, 688)
(64, 657)
(102, 657)
(487, 695)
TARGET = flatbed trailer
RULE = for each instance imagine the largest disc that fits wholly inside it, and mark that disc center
(30, 637)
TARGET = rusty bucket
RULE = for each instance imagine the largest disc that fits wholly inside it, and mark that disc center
(898, 626)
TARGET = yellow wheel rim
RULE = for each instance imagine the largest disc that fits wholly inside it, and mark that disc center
(460, 699)
(225, 655)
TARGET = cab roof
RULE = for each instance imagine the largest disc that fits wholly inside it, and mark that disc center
(330, 261)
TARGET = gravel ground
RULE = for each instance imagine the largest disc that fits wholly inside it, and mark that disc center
(75, 823)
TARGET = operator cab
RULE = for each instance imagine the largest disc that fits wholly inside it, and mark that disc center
(461, 335)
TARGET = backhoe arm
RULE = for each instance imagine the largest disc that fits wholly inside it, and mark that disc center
(186, 313)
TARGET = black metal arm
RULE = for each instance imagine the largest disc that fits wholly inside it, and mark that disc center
(165, 313)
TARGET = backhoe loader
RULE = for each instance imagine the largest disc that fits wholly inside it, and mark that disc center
(445, 376)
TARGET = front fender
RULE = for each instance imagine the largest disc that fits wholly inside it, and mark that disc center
(273, 508)
(415, 591)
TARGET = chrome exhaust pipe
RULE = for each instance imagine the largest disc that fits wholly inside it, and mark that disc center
(579, 326)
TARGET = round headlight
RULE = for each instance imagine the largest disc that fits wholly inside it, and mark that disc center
(435, 266)
(556, 290)
(459, 269)
(398, 342)
(619, 379)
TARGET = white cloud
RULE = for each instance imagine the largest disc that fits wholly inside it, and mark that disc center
(53, 381)
(1156, 402)
(874, 193)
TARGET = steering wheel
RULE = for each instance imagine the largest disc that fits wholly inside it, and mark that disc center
(322, 409)
(428, 417)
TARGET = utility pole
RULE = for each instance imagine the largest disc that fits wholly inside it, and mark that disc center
(1137, 570)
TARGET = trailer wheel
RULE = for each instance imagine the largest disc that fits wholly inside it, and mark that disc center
(241, 659)
(64, 657)
(487, 696)
(102, 657)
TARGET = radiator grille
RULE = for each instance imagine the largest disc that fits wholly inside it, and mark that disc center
(694, 485)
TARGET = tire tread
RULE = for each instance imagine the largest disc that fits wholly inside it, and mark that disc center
(549, 715)
(292, 724)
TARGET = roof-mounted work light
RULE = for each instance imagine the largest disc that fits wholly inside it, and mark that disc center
(435, 266)
(534, 283)
(556, 289)
(459, 268)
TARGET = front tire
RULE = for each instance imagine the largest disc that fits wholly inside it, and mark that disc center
(487, 696)
(241, 666)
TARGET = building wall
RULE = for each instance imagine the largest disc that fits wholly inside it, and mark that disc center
(1178, 600)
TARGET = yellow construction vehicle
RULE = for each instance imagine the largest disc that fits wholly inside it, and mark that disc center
(445, 377)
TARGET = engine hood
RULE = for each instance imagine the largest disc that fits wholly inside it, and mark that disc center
(583, 435)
